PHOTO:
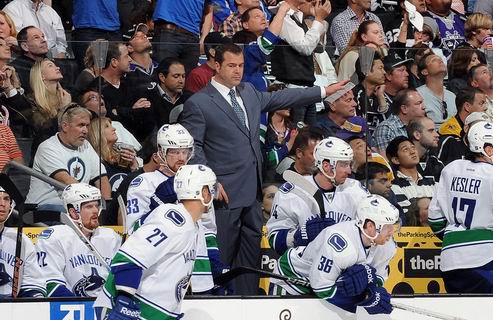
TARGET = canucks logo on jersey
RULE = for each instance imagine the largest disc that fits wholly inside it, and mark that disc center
(181, 287)
(87, 284)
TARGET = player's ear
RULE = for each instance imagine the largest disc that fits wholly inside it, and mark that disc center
(73, 214)
(299, 153)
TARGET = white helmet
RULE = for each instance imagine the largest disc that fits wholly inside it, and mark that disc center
(12, 202)
(480, 134)
(377, 209)
(173, 136)
(189, 181)
(76, 194)
(333, 150)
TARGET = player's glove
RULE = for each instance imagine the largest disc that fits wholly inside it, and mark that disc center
(125, 309)
(299, 239)
(315, 225)
(378, 301)
(355, 279)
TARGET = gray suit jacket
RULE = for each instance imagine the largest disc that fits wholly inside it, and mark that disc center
(225, 145)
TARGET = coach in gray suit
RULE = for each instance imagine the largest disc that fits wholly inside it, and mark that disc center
(224, 120)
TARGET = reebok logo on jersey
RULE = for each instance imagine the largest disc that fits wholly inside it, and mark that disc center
(130, 313)
(369, 274)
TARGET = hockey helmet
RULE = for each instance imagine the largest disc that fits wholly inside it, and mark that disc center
(173, 136)
(76, 194)
(480, 134)
(377, 209)
(332, 149)
(189, 181)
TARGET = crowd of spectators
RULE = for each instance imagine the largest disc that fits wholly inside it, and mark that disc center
(85, 85)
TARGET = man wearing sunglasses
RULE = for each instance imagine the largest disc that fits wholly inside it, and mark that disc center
(439, 102)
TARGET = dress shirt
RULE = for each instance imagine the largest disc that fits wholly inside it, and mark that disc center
(24, 14)
(304, 43)
(224, 91)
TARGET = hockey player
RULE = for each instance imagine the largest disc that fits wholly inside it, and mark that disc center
(71, 269)
(175, 148)
(151, 271)
(32, 282)
(460, 211)
(346, 263)
(148, 190)
(339, 194)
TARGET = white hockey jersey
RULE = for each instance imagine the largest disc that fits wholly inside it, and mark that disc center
(463, 207)
(290, 212)
(335, 249)
(139, 194)
(65, 260)
(31, 276)
(165, 248)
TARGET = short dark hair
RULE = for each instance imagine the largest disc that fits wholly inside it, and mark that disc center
(246, 15)
(165, 64)
(22, 35)
(303, 138)
(422, 63)
(80, 94)
(400, 99)
(113, 53)
(415, 125)
(359, 72)
(374, 168)
(472, 72)
(393, 146)
(228, 47)
(465, 95)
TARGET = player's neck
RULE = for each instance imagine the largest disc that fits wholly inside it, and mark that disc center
(1, 228)
(195, 208)
(323, 182)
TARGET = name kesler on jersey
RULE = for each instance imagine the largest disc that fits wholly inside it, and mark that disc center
(468, 185)
(77, 168)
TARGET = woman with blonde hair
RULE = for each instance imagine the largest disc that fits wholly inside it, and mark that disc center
(477, 30)
(47, 98)
(7, 29)
(118, 159)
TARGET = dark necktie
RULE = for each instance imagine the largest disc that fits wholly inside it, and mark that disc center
(236, 107)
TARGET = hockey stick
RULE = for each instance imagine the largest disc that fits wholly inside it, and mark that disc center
(65, 219)
(55, 183)
(230, 275)
(308, 191)
(17, 197)
(122, 210)
(233, 273)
